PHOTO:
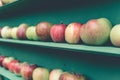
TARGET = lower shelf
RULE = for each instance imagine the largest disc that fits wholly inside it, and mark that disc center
(9, 75)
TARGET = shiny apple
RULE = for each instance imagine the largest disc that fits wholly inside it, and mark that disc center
(11, 65)
(57, 32)
(6, 61)
(55, 74)
(72, 33)
(96, 31)
(43, 30)
(40, 74)
(31, 33)
(14, 33)
(27, 71)
(6, 32)
(21, 31)
(71, 76)
(114, 35)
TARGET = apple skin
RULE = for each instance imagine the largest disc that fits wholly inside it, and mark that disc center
(17, 69)
(114, 35)
(55, 74)
(27, 71)
(40, 74)
(71, 76)
(57, 32)
(72, 33)
(11, 65)
(0, 32)
(6, 61)
(96, 31)
(31, 33)
(21, 31)
(14, 33)
(8, 1)
(6, 32)
(1, 59)
(43, 30)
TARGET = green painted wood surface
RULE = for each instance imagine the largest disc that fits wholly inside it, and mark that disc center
(96, 62)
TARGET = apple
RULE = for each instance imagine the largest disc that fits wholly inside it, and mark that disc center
(6, 32)
(1, 59)
(1, 3)
(31, 33)
(21, 31)
(72, 33)
(96, 31)
(17, 68)
(14, 33)
(0, 32)
(114, 35)
(11, 65)
(55, 74)
(40, 74)
(27, 71)
(57, 32)
(43, 30)
(8, 1)
(71, 76)
(6, 61)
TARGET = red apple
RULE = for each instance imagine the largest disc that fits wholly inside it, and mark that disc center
(71, 76)
(21, 31)
(11, 65)
(40, 74)
(6, 61)
(27, 71)
(72, 33)
(1, 59)
(43, 30)
(17, 68)
(57, 32)
(55, 74)
(96, 31)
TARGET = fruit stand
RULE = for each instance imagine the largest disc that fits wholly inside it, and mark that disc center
(95, 62)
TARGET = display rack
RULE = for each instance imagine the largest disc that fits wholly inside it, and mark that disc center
(96, 62)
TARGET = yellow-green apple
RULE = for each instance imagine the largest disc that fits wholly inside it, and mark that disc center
(1, 59)
(57, 32)
(72, 33)
(6, 32)
(31, 33)
(11, 65)
(27, 71)
(40, 74)
(8, 1)
(114, 35)
(96, 31)
(71, 76)
(21, 31)
(0, 32)
(14, 33)
(6, 61)
(43, 30)
(55, 74)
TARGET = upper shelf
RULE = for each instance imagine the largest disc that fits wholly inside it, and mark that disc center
(104, 50)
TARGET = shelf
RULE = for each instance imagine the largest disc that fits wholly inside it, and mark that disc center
(104, 50)
(8, 74)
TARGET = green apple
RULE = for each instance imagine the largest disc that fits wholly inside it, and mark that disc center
(14, 33)
(31, 33)
(6, 32)
(96, 31)
(114, 35)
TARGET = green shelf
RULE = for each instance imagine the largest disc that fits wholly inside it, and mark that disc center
(9, 75)
(104, 50)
